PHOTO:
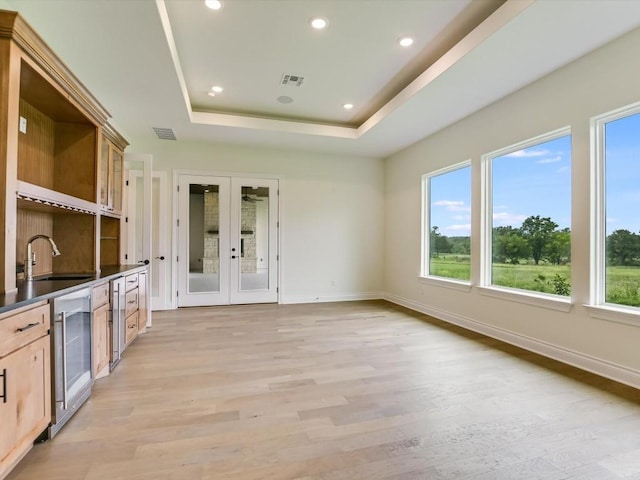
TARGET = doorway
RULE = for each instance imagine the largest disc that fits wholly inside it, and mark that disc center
(227, 240)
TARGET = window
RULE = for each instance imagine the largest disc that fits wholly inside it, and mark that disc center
(528, 212)
(447, 223)
(618, 136)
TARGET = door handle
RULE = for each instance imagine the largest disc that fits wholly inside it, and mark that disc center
(160, 257)
(146, 262)
(4, 385)
(233, 256)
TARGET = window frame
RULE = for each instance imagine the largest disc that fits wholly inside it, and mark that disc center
(597, 306)
(530, 297)
(425, 276)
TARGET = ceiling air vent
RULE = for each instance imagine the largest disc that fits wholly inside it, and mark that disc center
(164, 133)
(293, 80)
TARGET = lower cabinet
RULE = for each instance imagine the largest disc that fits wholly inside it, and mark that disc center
(132, 328)
(25, 400)
(101, 342)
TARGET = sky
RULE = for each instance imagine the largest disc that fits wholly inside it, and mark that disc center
(537, 181)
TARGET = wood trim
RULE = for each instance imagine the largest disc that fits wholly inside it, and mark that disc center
(9, 108)
(114, 137)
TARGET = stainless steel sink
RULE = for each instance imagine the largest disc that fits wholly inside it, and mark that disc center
(62, 277)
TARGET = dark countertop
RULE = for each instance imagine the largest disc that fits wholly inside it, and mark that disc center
(37, 290)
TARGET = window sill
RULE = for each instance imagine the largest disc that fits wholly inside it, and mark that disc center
(615, 313)
(553, 302)
(445, 282)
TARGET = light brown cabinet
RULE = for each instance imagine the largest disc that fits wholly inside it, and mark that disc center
(25, 382)
(136, 309)
(53, 176)
(111, 170)
(101, 331)
(131, 307)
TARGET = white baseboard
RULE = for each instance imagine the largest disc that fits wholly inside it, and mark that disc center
(348, 297)
(591, 364)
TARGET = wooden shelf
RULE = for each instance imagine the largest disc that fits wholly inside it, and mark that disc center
(35, 197)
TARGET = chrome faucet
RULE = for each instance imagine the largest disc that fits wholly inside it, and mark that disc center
(31, 256)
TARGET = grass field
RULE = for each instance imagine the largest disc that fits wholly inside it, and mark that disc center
(622, 283)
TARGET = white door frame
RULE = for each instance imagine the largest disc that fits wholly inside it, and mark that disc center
(174, 235)
(160, 258)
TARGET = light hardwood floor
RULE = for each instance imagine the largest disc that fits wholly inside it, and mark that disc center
(359, 390)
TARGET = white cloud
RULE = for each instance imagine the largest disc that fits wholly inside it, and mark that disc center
(453, 205)
(460, 230)
(448, 203)
(465, 226)
(508, 218)
(562, 169)
(528, 153)
(460, 217)
(550, 160)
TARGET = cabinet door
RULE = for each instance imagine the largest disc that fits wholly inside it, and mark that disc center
(132, 328)
(117, 179)
(111, 177)
(104, 173)
(100, 339)
(142, 301)
(25, 399)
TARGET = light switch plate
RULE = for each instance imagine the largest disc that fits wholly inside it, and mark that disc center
(23, 125)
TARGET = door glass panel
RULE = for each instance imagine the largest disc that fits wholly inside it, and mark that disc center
(204, 238)
(254, 238)
(155, 237)
(117, 181)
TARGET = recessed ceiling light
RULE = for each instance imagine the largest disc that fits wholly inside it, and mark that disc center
(212, 94)
(405, 41)
(217, 89)
(284, 99)
(348, 106)
(319, 23)
(213, 4)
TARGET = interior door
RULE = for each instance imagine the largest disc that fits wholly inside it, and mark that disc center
(254, 240)
(160, 255)
(227, 240)
(203, 236)
(138, 196)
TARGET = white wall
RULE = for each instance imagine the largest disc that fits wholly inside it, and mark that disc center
(332, 213)
(606, 79)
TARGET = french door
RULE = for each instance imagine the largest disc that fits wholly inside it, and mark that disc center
(227, 240)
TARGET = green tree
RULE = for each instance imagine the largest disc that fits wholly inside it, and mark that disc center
(509, 246)
(538, 231)
(433, 241)
(442, 244)
(460, 245)
(558, 250)
(623, 247)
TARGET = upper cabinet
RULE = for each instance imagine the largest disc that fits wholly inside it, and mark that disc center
(60, 163)
(112, 171)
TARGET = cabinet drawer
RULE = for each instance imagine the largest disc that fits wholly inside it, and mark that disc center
(131, 281)
(131, 302)
(100, 295)
(23, 326)
(132, 328)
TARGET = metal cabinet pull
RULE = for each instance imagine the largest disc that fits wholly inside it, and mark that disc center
(31, 325)
(4, 385)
